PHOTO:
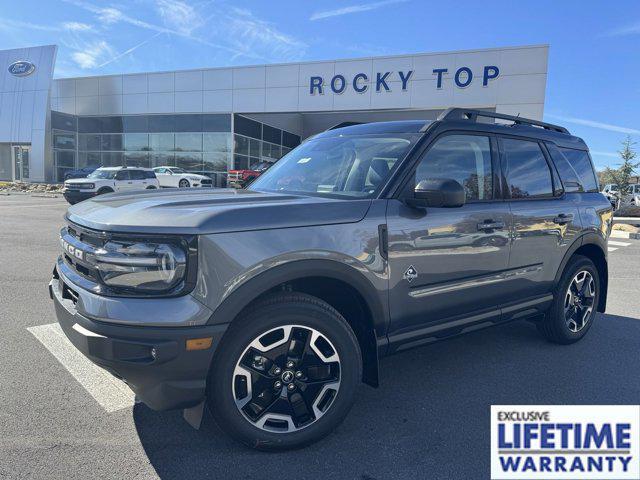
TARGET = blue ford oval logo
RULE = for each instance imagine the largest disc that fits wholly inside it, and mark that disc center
(21, 68)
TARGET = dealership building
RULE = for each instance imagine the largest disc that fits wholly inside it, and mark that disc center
(211, 120)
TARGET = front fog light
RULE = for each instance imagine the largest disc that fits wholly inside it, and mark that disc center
(141, 266)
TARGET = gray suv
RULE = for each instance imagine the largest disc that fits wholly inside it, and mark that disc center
(270, 305)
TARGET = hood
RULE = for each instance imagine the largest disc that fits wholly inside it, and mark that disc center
(196, 211)
(195, 175)
(81, 180)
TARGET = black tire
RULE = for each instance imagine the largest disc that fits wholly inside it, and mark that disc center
(104, 190)
(554, 326)
(279, 310)
(184, 183)
(151, 187)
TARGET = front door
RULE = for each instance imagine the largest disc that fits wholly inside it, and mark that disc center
(447, 263)
(20, 162)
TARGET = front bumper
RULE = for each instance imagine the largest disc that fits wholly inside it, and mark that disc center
(153, 361)
(75, 196)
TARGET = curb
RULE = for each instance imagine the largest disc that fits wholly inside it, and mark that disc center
(621, 234)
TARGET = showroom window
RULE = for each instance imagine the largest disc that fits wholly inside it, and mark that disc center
(199, 143)
(256, 142)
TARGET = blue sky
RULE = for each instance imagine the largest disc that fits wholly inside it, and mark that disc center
(593, 86)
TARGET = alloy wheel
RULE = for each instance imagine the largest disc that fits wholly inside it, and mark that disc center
(286, 379)
(579, 301)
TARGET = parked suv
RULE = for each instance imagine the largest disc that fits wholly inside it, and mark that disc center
(271, 304)
(108, 180)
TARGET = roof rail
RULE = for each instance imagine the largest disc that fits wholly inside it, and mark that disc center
(467, 114)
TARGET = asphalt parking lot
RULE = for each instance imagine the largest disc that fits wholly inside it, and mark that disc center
(429, 418)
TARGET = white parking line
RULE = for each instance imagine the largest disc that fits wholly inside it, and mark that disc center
(29, 205)
(619, 244)
(611, 249)
(112, 394)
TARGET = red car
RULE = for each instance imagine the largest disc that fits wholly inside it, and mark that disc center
(241, 178)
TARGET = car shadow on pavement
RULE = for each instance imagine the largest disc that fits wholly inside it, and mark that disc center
(430, 416)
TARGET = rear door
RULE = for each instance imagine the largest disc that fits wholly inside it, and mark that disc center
(448, 262)
(123, 181)
(139, 179)
(545, 220)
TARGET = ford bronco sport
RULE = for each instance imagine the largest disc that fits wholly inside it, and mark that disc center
(271, 304)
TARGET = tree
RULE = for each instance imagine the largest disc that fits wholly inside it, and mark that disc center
(622, 175)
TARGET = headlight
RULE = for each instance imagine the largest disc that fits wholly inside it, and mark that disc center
(140, 266)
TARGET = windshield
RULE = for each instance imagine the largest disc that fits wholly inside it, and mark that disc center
(107, 174)
(354, 166)
(260, 166)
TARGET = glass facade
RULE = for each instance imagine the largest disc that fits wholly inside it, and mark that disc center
(255, 142)
(199, 143)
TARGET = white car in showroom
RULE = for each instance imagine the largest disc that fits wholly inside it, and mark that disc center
(108, 180)
(176, 177)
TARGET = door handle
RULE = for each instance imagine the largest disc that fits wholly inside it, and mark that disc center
(563, 218)
(490, 225)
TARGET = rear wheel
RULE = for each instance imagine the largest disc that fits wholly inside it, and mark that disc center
(575, 303)
(184, 183)
(285, 374)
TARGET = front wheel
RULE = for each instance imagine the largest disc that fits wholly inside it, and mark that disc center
(184, 183)
(575, 303)
(285, 374)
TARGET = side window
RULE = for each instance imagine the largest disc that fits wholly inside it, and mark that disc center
(122, 175)
(464, 158)
(526, 169)
(149, 174)
(581, 163)
(137, 174)
(569, 177)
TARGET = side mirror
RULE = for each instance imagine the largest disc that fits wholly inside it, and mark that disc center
(440, 192)
(169, 172)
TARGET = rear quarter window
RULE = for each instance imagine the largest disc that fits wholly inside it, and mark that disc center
(581, 163)
(570, 178)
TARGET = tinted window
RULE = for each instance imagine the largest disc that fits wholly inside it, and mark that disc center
(122, 175)
(188, 123)
(290, 140)
(569, 177)
(137, 175)
(245, 126)
(149, 174)
(581, 163)
(464, 158)
(216, 123)
(63, 122)
(161, 123)
(135, 124)
(111, 124)
(270, 134)
(89, 125)
(526, 169)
